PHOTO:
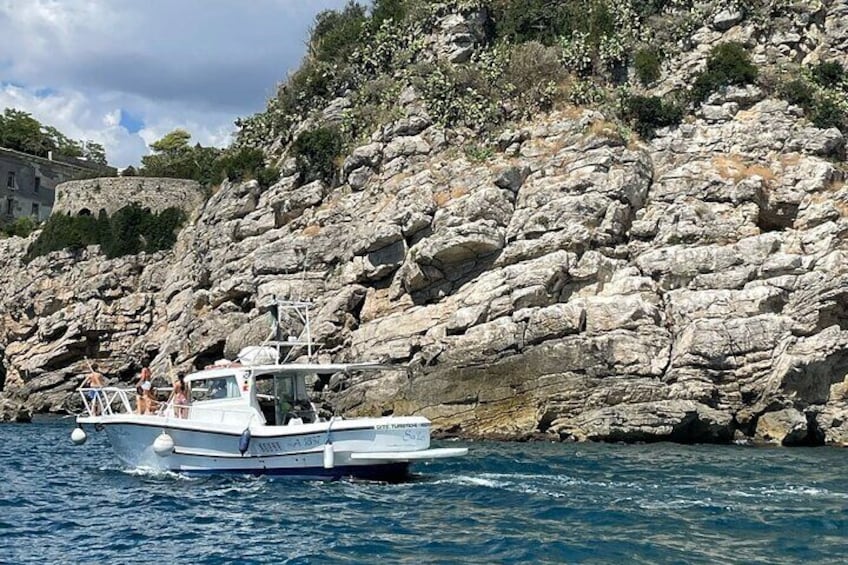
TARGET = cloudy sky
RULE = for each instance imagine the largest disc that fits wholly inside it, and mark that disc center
(126, 72)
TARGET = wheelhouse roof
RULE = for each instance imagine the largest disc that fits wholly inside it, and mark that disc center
(259, 371)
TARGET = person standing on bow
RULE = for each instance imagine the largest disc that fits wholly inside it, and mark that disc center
(144, 392)
(93, 380)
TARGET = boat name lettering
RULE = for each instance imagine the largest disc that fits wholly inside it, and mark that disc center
(289, 445)
(399, 426)
(414, 435)
(270, 446)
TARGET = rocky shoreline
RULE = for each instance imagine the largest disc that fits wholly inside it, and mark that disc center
(577, 284)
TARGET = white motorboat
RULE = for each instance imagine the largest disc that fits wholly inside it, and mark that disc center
(255, 417)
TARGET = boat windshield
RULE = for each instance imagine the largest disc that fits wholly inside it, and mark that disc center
(282, 397)
(215, 388)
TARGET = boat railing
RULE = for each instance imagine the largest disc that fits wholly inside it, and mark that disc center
(106, 401)
(110, 401)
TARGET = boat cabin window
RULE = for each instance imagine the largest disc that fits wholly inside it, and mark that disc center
(215, 388)
(282, 398)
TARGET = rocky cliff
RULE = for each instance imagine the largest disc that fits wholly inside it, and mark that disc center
(576, 282)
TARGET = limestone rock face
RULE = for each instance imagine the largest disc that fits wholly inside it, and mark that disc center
(14, 411)
(784, 427)
(576, 285)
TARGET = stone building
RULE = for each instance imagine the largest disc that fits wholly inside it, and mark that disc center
(28, 182)
(91, 196)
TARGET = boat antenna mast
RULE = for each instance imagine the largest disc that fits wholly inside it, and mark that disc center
(284, 313)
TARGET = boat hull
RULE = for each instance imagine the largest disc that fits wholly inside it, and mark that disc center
(304, 452)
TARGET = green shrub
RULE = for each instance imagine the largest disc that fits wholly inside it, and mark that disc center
(130, 230)
(647, 113)
(546, 21)
(160, 230)
(315, 152)
(21, 227)
(337, 33)
(383, 10)
(820, 105)
(478, 153)
(246, 163)
(457, 96)
(798, 92)
(727, 64)
(828, 74)
(64, 232)
(646, 63)
(127, 228)
(827, 114)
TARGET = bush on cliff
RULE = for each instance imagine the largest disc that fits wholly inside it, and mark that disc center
(21, 227)
(646, 113)
(727, 64)
(546, 21)
(825, 106)
(829, 74)
(646, 63)
(130, 230)
(243, 164)
(64, 232)
(316, 152)
(383, 10)
(337, 33)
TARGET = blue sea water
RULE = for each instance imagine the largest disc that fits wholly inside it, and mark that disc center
(504, 503)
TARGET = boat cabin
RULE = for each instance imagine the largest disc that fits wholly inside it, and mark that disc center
(273, 394)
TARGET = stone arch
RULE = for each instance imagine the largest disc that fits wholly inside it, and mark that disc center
(84, 212)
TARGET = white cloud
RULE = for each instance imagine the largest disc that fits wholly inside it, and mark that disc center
(80, 65)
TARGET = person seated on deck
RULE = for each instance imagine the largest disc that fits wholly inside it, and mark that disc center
(93, 380)
(144, 393)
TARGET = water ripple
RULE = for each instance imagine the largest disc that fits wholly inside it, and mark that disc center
(504, 503)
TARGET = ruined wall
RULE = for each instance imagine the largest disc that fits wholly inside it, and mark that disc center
(111, 194)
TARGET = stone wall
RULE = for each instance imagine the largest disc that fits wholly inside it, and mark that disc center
(110, 194)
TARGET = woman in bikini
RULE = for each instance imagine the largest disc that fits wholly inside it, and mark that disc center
(144, 392)
(180, 399)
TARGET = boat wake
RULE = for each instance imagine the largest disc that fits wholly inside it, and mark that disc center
(150, 472)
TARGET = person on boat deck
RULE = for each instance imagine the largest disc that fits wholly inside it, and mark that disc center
(144, 393)
(218, 389)
(180, 398)
(93, 380)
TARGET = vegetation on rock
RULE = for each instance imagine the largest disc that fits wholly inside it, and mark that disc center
(130, 230)
(316, 152)
(727, 64)
(21, 227)
(647, 113)
(175, 157)
(515, 60)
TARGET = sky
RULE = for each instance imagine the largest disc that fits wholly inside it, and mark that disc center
(124, 73)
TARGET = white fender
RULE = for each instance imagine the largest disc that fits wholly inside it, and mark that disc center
(78, 436)
(163, 446)
(329, 456)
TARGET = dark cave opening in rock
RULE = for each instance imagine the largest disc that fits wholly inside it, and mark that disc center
(209, 355)
(777, 218)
